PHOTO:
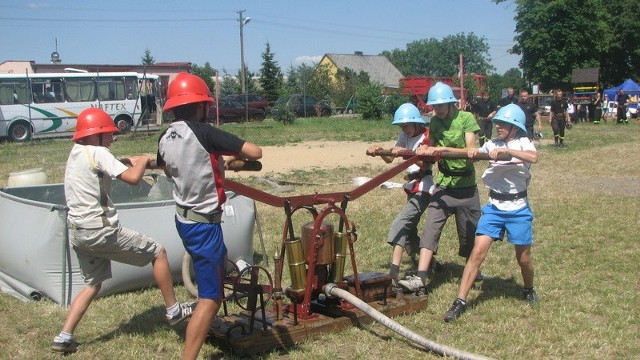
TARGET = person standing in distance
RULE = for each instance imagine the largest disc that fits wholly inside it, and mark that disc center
(190, 152)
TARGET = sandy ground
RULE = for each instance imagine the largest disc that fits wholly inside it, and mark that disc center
(311, 155)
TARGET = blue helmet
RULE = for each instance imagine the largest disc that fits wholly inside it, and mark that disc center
(407, 113)
(511, 114)
(441, 94)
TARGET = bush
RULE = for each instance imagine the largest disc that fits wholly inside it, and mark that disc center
(282, 113)
(370, 102)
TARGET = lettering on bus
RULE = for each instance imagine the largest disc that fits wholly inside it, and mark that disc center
(112, 107)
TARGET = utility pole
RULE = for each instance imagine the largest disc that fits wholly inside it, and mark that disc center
(243, 81)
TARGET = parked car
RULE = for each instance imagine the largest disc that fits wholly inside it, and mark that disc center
(302, 106)
(255, 101)
(232, 111)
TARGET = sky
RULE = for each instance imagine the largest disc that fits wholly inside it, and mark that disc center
(200, 31)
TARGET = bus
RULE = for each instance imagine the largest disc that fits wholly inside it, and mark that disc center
(46, 103)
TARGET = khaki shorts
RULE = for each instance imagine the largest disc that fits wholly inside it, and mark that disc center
(96, 248)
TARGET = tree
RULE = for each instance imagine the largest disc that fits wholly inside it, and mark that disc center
(271, 78)
(229, 85)
(250, 84)
(206, 72)
(430, 57)
(147, 59)
(555, 37)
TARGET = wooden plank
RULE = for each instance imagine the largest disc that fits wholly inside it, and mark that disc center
(231, 332)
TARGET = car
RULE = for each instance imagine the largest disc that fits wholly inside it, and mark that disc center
(255, 101)
(234, 111)
(302, 105)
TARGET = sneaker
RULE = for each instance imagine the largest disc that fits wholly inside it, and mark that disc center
(455, 310)
(62, 346)
(411, 283)
(421, 291)
(186, 310)
(530, 296)
(482, 277)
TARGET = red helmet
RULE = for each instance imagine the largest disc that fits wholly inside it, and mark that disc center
(186, 89)
(93, 121)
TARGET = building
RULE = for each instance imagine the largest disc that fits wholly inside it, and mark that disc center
(379, 68)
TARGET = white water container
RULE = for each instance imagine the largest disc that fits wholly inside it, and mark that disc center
(27, 177)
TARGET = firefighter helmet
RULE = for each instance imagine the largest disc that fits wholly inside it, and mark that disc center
(407, 113)
(441, 93)
(93, 121)
(187, 89)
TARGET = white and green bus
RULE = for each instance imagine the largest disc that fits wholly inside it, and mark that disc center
(38, 103)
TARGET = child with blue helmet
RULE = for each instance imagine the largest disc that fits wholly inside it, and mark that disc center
(508, 210)
(403, 233)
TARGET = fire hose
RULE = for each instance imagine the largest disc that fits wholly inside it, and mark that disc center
(333, 290)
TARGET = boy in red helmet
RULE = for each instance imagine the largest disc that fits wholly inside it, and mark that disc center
(190, 151)
(95, 231)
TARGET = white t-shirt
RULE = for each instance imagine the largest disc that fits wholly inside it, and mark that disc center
(506, 177)
(87, 186)
(412, 143)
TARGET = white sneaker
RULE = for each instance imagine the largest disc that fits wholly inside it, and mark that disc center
(411, 283)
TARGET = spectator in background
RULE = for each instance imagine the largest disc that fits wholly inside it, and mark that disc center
(511, 98)
(621, 100)
(559, 117)
(531, 112)
(485, 108)
(595, 108)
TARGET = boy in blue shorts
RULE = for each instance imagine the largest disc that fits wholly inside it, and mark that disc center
(190, 151)
(508, 209)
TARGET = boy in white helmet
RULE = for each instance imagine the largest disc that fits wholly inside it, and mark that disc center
(403, 233)
(508, 210)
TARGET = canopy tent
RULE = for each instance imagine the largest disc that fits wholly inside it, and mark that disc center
(629, 86)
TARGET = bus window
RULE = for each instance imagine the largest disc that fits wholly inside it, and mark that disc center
(80, 89)
(14, 91)
(111, 88)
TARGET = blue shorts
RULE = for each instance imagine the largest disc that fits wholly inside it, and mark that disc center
(204, 242)
(517, 224)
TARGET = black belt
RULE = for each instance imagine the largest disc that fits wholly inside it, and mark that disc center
(449, 172)
(187, 213)
(508, 196)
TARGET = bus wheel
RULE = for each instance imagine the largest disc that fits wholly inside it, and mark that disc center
(20, 131)
(123, 124)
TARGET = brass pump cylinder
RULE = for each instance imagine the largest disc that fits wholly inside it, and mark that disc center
(323, 243)
(297, 265)
(337, 268)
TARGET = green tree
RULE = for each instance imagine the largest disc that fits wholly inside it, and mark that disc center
(250, 84)
(621, 58)
(229, 84)
(555, 37)
(430, 57)
(271, 78)
(147, 59)
(206, 72)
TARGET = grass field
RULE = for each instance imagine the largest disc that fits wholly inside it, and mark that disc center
(586, 257)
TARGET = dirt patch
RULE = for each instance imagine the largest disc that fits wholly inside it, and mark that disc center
(314, 155)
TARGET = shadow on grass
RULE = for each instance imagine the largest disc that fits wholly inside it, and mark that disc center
(145, 323)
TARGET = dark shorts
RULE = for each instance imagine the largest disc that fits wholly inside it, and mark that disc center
(464, 203)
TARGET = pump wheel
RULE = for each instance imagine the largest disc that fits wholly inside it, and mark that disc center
(232, 274)
(252, 280)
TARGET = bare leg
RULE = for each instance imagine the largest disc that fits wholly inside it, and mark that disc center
(198, 327)
(162, 275)
(523, 255)
(79, 307)
(471, 268)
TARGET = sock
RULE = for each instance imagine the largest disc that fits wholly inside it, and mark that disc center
(423, 276)
(173, 310)
(394, 270)
(527, 290)
(65, 336)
